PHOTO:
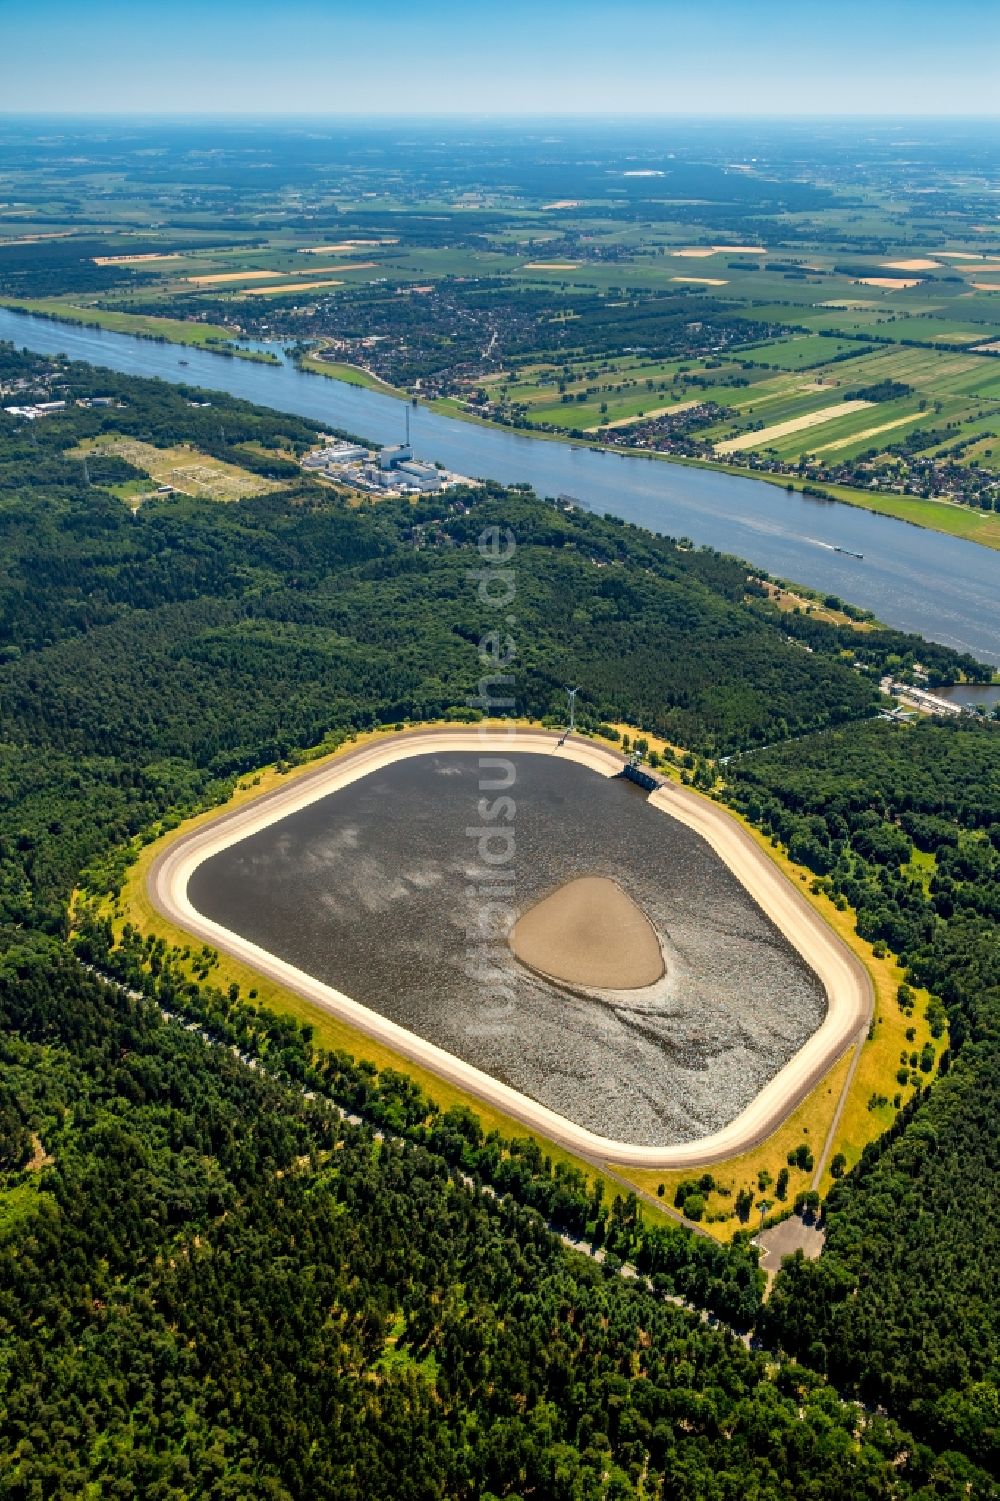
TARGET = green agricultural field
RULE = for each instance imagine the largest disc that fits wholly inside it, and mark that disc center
(612, 391)
(941, 516)
(352, 375)
(801, 352)
(986, 452)
(982, 308)
(799, 270)
(829, 437)
(931, 328)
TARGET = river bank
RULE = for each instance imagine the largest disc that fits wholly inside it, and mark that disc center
(915, 580)
(208, 336)
(948, 517)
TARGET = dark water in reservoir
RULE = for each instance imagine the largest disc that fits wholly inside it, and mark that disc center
(373, 890)
(941, 587)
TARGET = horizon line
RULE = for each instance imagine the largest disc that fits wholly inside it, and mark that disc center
(582, 116)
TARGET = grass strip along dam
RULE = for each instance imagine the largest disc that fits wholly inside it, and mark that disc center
(683, 1031)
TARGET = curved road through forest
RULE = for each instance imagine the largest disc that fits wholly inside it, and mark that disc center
(848, 985)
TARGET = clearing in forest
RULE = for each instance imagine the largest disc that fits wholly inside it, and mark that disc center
(182, 468)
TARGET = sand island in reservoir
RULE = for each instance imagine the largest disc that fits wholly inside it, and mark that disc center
(589, 933)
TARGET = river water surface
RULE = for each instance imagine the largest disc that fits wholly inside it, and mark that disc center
(918, 580)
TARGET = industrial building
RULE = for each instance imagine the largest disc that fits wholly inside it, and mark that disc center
(36, 409)
(335, 454)
(393, 471)
(394, 454)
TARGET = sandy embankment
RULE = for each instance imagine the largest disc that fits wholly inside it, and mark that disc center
(845, 979)
(589, 933)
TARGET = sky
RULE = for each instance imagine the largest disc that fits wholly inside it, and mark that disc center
(517, 57)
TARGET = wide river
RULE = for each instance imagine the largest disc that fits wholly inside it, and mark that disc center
(918, 580)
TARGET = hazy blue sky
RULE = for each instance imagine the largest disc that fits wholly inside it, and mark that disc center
(510, 56)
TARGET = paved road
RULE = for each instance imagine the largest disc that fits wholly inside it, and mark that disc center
(831, 1134)
(847, 983)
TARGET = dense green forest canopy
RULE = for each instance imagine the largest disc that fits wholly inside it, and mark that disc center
(211, 1284)
(45, 268)
(900, 1307)
(218, 1288)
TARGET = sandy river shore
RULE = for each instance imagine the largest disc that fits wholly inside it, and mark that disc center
(845, 980)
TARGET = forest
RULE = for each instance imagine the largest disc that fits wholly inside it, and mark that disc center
(213, 1283)
(48, 268)
(900, 1307)
(220, 1288)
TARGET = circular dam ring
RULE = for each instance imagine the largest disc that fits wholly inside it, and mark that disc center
(845, 979)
